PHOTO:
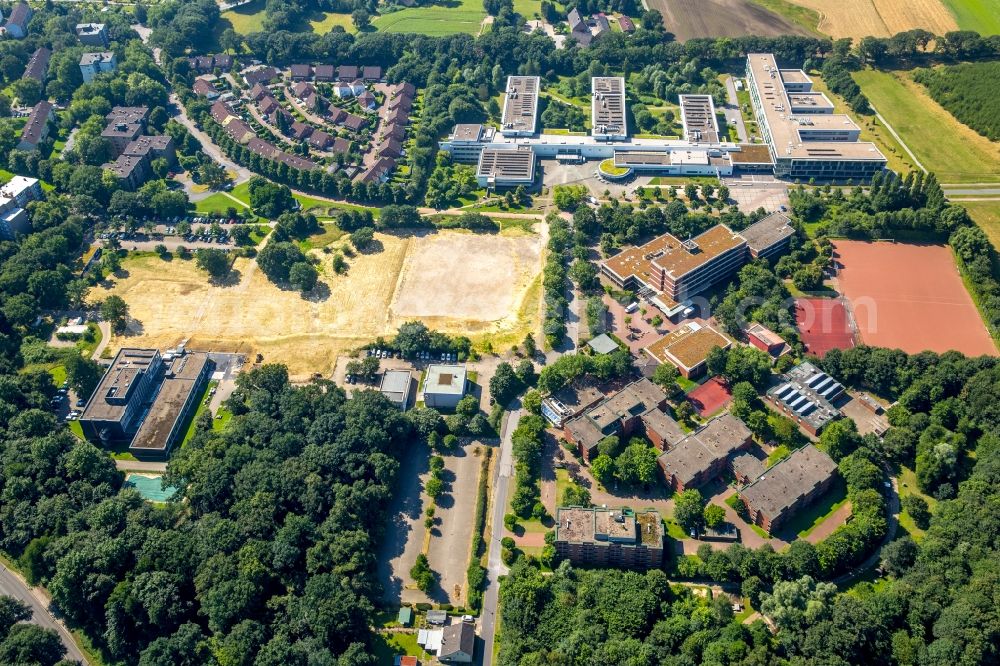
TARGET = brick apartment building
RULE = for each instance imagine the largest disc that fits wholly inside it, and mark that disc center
(618, 538)
(620, 415)
(705, 453)
(788, 486)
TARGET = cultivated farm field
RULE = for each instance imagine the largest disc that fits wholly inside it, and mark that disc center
(956, 153)
(881, 18)
(983, 16)
(688, 19)
(483, 286)
(987, 215)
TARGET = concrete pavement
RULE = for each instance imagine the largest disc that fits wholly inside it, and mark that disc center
(12, 584)
(495, 567)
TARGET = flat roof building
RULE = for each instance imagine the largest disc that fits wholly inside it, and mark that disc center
(395, 386)
(806, 395)
(676, 269)
(444, 385)
(608, 120)
(520, 107)
(506, 168)
(804, 140)
(770, 236)
(92, 64)
(687, 347)
(698, 118)
(184, 379)
(791, 484)
(93, 34)
(766, 340)
(569, 402)
(619, 538)
(703, 455)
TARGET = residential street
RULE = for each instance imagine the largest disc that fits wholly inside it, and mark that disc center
(495, 567)
(13, 585)
(213, 151)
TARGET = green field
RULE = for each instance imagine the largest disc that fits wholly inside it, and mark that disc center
(983, 16)
(987, 216)
(244, 20)
(528, 8)
(324, 22)
(803, 17)
(217, 203)
(954, 152)
(445, 18)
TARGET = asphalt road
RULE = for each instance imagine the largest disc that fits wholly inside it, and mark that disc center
(495, 566)
(12, 585)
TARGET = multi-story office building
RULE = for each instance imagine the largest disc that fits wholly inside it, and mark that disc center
(608, 119)
(520, 107)
(805, 138)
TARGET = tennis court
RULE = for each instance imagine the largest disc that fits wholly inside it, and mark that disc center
(910, 297)
(710, 397)
(824, 324)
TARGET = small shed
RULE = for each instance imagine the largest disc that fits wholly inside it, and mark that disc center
(405, 617)
(603, 344)
(437, 616)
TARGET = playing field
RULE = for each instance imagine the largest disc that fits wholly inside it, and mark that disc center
(443, 18)
(710, 397)
(823, 324)
(483, 286)
(881, 18)
(910, 297)
(956, 153)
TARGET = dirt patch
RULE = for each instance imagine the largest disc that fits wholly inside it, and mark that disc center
(880, 18)
(688, 19)
(910, 297)
(173, 301)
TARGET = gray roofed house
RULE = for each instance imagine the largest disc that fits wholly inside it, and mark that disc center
(347, 72)
(371, 73)
(260, 74)
(324, 73)
(340, 145)
(603, 344)
(389, 148)
(353, 122)
(458, 643)
(404, 89)
(301, 72)
(38, 65)
(92, 34)
(779, 492)
(437, 616)
(205, 89)
(578, 28)
(302, 89)
(397, 132)
(300, 130)
(320, 139)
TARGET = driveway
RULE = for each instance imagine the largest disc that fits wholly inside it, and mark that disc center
(454, 521)
(734, 116)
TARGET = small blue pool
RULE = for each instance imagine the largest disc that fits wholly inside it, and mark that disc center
(150, 486)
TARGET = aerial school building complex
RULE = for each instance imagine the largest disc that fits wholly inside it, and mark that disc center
(802, 136)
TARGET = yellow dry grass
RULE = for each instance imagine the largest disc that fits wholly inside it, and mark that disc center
(483, 286)
(880, 18)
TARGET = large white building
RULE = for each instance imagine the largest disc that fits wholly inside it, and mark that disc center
(520, 107)
(805, 137)
(14, 196)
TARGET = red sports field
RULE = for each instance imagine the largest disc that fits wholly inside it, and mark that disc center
(710, 397)
(910, 297)
(823, 325)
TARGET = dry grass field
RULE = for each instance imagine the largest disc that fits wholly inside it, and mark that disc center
(483, 286)
(880, 18)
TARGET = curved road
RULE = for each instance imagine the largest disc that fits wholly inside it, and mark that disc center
(890, 534)
(13, 585)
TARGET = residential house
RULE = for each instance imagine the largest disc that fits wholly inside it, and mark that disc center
(258, 92)
(313, 102)
(353, 122)
(626, 24)
(38, 65)
(578, 28)
(301, 72)
(300, 130)
(324, 73)
(340, 145)
(17, 24)
(389, 148)
(92, 64)
(93, 34)
(403, 89)
(14, 196)
(394, 132)
(367, 100)
(36, 129)
(401, 102)
(347, 73)
(320, 140)
(372, 73)
(205, 89)
(260, 74)
(458, 643)
(379, 171)
(303, 89)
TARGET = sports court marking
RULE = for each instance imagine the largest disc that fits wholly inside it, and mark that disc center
(824, 324)
(910, 297)
(710, 397)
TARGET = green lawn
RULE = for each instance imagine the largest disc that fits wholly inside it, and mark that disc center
(780, 453)
(192, 423)
(907, 482)
(812, 516)
(242, 192)
(387, 646)
(956, 153)
(983, 16)
(444, 18)
(528, 8)
(76, 429)
(244, 20)
(321, 206)
(987, 215)
(217, 203)
(330, 233)
(324, 22)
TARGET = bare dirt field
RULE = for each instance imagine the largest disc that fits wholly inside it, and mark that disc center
(880, 18)
(688, 19)
(910, 297)
(173, 301)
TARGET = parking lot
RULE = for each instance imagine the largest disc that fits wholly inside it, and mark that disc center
(750, 196)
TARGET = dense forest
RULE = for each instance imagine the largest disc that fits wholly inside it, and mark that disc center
(969, 92)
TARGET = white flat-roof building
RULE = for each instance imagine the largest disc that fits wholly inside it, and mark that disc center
(506, 167)
(92, 64)
(805, 138)
(608, 120)
(444, 385)
(520, 107)
(698, 118)
(395, 386)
